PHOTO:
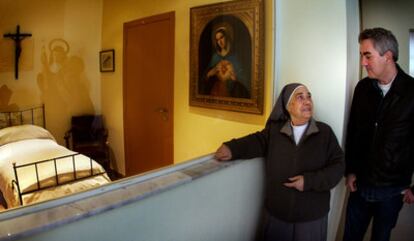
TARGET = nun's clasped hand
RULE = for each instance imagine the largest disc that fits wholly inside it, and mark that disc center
(296, 182)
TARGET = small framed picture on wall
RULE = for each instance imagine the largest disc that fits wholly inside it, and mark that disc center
(107, 60)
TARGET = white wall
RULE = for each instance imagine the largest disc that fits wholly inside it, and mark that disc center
(396, 16)
(312, 48)
(411, 59)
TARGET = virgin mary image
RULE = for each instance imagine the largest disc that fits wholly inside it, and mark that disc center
(224, 75)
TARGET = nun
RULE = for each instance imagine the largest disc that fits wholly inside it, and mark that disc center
(303, 162)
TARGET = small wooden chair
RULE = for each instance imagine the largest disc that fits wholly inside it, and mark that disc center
(89, 136)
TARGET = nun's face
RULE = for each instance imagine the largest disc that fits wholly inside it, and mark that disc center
(300, 107)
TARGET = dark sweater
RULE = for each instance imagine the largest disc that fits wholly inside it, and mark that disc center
(318, 157)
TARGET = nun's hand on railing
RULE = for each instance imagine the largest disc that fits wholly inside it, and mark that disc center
(223, 153)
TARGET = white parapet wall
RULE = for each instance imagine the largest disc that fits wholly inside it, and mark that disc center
(199, 200)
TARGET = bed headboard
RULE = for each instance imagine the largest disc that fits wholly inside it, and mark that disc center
(34, 116)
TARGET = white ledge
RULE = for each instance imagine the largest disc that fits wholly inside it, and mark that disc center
(22, 222)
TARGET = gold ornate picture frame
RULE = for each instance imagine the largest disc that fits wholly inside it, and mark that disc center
(227, 57)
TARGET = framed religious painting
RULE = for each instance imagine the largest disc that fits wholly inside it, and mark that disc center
(227, 56)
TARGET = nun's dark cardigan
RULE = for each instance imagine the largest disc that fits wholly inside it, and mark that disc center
(318, 157)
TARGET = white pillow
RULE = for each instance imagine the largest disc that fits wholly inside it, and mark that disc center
(23, 132)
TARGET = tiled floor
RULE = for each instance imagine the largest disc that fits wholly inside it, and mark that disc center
(404, 231)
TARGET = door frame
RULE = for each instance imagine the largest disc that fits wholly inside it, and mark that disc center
(154, 18)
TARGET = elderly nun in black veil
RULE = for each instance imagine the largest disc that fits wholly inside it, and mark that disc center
(303, 161)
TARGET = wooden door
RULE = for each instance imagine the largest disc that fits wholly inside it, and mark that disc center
(148, 92)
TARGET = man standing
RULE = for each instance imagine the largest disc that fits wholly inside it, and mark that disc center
(379, 150)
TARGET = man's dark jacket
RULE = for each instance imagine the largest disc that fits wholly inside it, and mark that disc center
(317, 157)
(379, 145)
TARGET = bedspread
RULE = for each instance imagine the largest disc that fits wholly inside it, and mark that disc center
(24, 151)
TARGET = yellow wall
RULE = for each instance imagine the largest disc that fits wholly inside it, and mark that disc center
(73, 86)
(197, 131)
(77, 87)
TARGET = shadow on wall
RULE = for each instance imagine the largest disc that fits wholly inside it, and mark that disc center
(5, 96)
(64, 87)
(5, 106)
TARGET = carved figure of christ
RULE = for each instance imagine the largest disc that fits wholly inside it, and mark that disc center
(17, 37)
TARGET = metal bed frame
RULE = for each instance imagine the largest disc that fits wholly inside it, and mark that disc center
(29, 116)
(19, 117)
(56, 176)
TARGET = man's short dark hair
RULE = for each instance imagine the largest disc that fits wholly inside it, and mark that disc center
(382, 39)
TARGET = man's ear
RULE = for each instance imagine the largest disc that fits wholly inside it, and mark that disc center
(389, 56)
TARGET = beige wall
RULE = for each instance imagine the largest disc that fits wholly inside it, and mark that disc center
(72, 85)
(217, 126)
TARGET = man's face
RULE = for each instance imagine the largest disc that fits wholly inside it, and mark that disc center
(300, 107)
(374, 63)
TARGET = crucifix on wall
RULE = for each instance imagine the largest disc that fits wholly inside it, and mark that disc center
(17, 37)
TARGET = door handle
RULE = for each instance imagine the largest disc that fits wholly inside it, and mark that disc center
(163, 112)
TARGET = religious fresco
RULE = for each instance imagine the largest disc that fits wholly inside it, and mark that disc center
(64, 87)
